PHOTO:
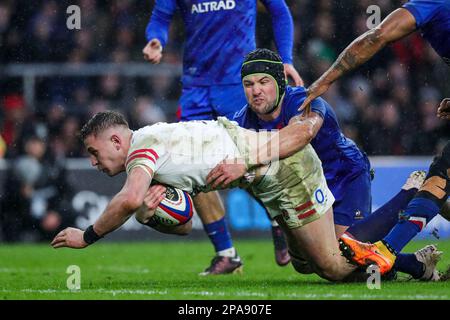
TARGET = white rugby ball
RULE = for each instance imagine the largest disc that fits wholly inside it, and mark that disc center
(176, 208)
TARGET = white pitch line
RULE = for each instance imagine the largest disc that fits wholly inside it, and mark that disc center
(237, 294)
(63, 270)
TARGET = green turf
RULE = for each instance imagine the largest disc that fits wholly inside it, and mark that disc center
(169, 271)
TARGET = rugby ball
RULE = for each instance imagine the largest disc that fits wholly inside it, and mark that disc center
(176, 208)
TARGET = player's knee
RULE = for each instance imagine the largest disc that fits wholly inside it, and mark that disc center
(324, 268)
(301, 266)
(330, 270)
(331, 274)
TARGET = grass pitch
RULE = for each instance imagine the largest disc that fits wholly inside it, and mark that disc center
(168, 270)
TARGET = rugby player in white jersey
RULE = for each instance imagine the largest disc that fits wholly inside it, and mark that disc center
(182, 154)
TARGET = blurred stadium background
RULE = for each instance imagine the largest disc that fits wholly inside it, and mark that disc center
(52, 79)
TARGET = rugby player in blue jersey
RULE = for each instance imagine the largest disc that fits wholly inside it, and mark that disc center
(219, 33)
(274, 105)
(432, 19)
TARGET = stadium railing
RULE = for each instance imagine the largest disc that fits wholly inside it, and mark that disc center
(29, 73)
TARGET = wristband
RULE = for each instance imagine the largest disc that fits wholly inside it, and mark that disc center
(89, 235)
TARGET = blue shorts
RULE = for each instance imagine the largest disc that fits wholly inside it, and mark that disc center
(208, 103)
(356, 204)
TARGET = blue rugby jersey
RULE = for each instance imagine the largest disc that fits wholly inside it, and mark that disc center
(219, 33)
(433, 20)
(342, 160)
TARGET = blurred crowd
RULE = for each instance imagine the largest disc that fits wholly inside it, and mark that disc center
(387, 106)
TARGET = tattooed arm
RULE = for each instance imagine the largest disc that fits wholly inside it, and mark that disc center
(397, 25)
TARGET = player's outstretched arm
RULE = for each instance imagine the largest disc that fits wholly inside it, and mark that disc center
(395, 26)
(120, 208)
(292, 138)
(289, 140)
(227, 171)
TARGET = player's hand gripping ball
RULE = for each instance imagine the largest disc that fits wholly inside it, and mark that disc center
(176, 208)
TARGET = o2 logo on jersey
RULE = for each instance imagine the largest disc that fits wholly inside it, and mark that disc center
(320, 198)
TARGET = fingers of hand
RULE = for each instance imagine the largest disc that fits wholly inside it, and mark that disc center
(155, 192)
(155, 44)
(297, 79)
(218, 182)
(60, 244)
(443, 111)
(304, 105)
(153, 199)
(152, 55)
(213, 174)
(156, 189)
(447, 104)
(227, 182)
(307, 110)
(443, 105)
(290, 72)
(59, 241)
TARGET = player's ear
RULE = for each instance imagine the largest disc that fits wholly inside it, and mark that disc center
(117, 141)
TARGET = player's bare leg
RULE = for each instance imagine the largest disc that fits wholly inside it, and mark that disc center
(322, 254)
(339, 230)
(298, 260)
(209, 207)
(211, 211)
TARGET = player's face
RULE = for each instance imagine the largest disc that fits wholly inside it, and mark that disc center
(261, 92)
(104, 154)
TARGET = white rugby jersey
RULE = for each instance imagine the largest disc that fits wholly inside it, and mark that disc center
(181, 154)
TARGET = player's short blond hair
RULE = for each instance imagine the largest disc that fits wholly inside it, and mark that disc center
(102, 121)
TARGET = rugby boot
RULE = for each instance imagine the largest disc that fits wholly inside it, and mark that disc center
(429, 256)
(365, 254)
(224, 265)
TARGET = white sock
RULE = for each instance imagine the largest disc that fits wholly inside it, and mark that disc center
(274, 223)
(230, 252)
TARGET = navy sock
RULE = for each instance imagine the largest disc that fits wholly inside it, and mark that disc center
(407, 263)
(418, 213)
(218, 233)
(378, 224)
(278, 238)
